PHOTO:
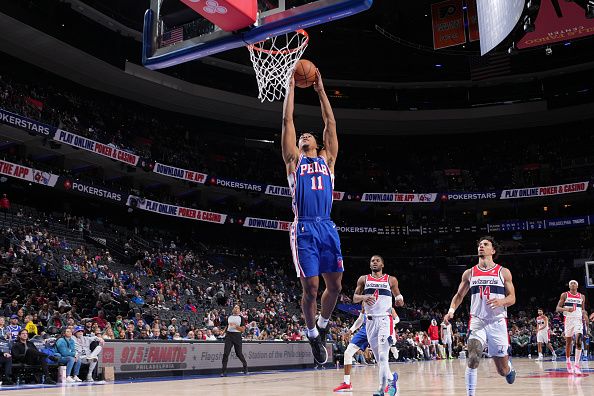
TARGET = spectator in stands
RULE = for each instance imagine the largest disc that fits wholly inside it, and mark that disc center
(14, 328)
(190, 306)
(108, 334)
(131, 332)
(25, 351)
(11, 309)
(163, 334)
(66, 347)
(100, 319)
(144, 334)
(5, 205)
(137, 299)
(6, 362)
(30, 326)
(4, 332)
(86, 355)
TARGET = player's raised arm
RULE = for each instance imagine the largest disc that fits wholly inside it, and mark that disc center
(330, 138)
(398, 299)
(560, 307)
(463, 289)
(289, 138)
(510, 292)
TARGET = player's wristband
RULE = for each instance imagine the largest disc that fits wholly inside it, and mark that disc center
(399, 298)
(451, 311)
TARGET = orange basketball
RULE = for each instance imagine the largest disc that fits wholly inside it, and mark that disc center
(305, 73)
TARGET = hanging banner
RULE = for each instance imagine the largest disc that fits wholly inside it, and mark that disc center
(96, 147)
(399, 198)
(17, 121)
(237, 184)
(469, 196)
(28, 174)
(179, 173)
(568, 222)
(564, 21)
(175, 211)
(448, 24)
(544, 191)
(268, 224)
(473, 25)
(278, 190)
(86, 189)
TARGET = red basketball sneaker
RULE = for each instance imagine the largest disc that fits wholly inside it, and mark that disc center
(344, 388)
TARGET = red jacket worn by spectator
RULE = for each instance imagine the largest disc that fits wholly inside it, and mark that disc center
(4, 203)
(433, 332)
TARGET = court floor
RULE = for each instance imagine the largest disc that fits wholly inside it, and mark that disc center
(438, 378)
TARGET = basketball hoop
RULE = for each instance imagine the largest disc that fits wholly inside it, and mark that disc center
(274, 60)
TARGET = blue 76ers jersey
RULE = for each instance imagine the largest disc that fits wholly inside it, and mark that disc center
(311, 185)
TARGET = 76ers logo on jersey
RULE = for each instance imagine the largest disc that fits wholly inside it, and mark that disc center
(339, 263)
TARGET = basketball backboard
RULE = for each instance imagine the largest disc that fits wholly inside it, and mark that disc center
(590, 274)
(174, 33)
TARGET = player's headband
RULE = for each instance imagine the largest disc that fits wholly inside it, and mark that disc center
(574, 281)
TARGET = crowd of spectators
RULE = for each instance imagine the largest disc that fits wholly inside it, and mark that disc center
(54, 288)
(394, 164)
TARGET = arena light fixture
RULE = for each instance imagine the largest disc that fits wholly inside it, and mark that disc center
(528, 24)
(533, 5)
(590, 9)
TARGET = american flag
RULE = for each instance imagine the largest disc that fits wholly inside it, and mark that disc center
(172, 36)
(489, 66)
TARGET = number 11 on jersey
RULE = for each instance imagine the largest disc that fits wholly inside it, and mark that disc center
(317, 183)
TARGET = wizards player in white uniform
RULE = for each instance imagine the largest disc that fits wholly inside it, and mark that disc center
(543, 335)
(492, 292)
(360, 342)
(572, 304)
(314, 240)
(375, 292)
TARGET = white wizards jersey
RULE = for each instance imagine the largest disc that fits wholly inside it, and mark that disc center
(485, 285)
(573, 300)
(380, 289)
(540, 321)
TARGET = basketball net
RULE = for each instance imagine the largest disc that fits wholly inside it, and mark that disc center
(274, 61)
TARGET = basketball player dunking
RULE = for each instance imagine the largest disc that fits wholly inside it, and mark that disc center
(492, 292)
(572, 304)
(375, 292)
(314, 240)
(543, 335)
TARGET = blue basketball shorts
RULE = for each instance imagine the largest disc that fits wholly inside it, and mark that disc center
(316, 247)
(360, 339)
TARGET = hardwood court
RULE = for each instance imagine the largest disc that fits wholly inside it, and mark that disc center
(437, 378)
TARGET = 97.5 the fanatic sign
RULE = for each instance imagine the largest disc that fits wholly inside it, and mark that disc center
(145, 356)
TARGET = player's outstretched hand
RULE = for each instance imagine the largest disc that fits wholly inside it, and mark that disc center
(447, 317)
(369, 300)
(318, 84)
(495, 303)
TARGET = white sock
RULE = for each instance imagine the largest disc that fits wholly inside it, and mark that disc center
(471, 377)
(578, 355)
(322, 322)
(510, 365)
(347, 379)
(312, 333)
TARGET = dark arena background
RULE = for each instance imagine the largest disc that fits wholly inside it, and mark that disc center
(144, 193)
